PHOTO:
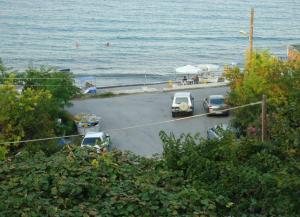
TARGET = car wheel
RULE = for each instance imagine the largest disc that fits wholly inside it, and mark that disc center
(173, 114)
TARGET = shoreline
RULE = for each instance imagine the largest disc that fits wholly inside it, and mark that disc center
(131, 85)
(143, 89)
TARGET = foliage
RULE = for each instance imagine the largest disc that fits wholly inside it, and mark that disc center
(249, 178)
(270, 169)
(59, 84)
(105, 95)
(3, 70)
(280, 82)
(34, 112)
(193, 178)
(24, 116)
(3, 153)
(80, 182)
(100, 95)
(264, 76)
(47, 147)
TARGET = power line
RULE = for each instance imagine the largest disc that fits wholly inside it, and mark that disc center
(138, 126)
(38, 85)
(36, 140)
(33, 78)
(184, 118)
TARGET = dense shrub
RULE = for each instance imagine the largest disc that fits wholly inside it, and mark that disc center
(3, 152)
(47, 147)
(254, 178)
(194, 177)
(78, 182)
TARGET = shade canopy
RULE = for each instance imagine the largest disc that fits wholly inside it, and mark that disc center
(208, 67)
(188, 69)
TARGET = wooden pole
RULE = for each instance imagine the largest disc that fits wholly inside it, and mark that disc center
(263, 118)
(251, 36)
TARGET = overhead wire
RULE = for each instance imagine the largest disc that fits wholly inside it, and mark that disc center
(37, 140)
(38, 85)
(184, 118)
(9, 78)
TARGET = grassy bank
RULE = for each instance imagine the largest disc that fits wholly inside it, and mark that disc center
(98, 95)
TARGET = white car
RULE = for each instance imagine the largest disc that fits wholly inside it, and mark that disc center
(182, 103)
(100, 141)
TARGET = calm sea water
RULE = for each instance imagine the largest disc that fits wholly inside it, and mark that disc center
(152, 37)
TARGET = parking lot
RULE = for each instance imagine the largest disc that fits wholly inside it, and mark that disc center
(139, 109)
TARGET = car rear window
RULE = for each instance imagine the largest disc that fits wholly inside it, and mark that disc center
(217, 101)
(179, 100)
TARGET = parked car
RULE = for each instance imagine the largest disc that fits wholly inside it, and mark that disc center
(217, 132)
(100, 141)
(214, 104)
(182, 103)
(88, 123)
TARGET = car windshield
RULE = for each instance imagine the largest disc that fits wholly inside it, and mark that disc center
(91, 141)
(179, 100)
(217, 101)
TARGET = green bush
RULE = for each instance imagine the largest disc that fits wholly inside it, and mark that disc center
(79, 182)
(194, 177)
(3, 153)
(253, 178)
(47, 147)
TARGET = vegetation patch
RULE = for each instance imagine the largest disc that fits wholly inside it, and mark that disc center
(99, 95)
(36, 111)
(194, 177)
(80, 182)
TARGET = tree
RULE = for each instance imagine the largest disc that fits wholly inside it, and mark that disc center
(59, 84)
(279, 81)
(34, 112)
(25, 115)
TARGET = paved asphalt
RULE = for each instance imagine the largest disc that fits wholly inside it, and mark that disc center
(131, 110)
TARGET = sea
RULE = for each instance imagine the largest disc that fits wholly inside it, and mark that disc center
(136, 41)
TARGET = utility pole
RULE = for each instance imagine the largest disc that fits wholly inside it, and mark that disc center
(251, 36)
(264, 118)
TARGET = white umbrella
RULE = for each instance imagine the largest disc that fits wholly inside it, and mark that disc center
(208, 67)
(188, 69)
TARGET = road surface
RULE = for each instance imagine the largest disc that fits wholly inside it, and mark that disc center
(138, 109)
